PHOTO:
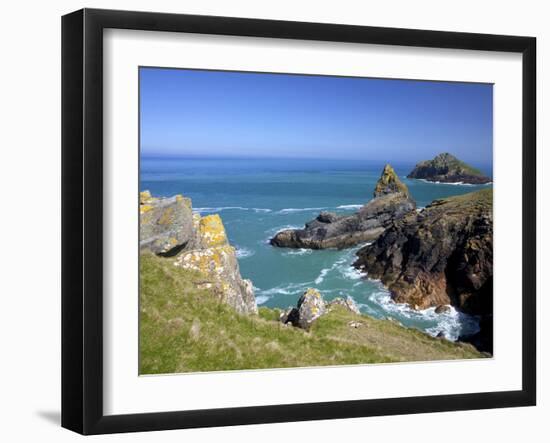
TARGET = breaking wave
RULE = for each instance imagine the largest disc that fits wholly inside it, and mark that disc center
(301, 251)
(241, 252)
(227, 208)
(451, 324)
(289, 289)
(453, 184)
(291, 210)
(349, 206)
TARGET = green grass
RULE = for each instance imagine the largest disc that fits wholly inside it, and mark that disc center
(185, 329)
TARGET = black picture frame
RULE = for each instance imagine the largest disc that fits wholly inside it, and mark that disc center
(82, 218)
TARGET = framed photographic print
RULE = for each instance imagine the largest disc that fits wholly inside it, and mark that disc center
(269, 221)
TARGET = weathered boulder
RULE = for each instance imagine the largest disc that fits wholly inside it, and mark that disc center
(165, 224)
(310, 307)
(446, 168)
(440, 256)
(217, 261)
(328, 230)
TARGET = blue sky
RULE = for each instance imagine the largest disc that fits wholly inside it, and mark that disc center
(225, 114)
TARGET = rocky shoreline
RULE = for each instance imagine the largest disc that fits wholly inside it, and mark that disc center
(442, 255)
(391, 201)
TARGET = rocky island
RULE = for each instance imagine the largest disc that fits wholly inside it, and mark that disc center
(446, 168)
(440, 256)
(391, 201)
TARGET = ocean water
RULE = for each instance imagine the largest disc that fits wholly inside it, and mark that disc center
(258, 197)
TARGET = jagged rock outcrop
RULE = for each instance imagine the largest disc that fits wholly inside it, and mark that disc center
(391, 202)
(168, 227)
(440, 256)
(446, 168)
(217, 261)
(165, 224)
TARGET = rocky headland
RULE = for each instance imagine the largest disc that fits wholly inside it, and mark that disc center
(169, 228)
(391, 201)
(440, 256)
(446, 168)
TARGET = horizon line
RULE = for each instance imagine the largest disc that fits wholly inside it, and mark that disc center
(268, 157)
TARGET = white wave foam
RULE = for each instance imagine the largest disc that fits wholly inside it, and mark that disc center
(290, 210)
(322, 275)
(226, 208)
(350, 272)
(301, 251)
(290, 289)
(349, 206)
(452, 324)
(446, 183)
(261, 299)
(241, 252)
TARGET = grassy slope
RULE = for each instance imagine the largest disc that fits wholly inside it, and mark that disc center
(185, 329)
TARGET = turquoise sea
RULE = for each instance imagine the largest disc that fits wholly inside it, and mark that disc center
(258, 197)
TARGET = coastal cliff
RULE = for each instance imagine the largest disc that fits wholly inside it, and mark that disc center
(169, 228)
(446, 168)
(440, 256)
(391, 201)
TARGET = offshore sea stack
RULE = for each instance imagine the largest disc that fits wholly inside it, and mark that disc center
(446, 168)
(169, 228)
(391, 202)
(440, 256)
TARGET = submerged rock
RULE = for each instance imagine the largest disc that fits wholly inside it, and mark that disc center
(165, 224)
(328, 230)
(446, 168)
(442, 309)
(440, 256)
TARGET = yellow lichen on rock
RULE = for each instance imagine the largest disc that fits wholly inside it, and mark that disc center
(389, 183)
(145, 197)
(167, 216)
(212, 231)
(312, 292)
(145, 208)
(209, 262)
(185, 200)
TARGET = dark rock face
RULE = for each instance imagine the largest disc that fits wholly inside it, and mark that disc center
(441, 309)
(446, 168)
(391, 202)
(440, 256)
